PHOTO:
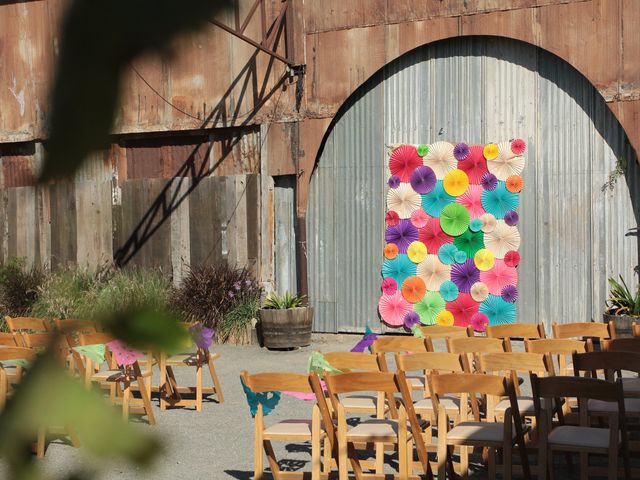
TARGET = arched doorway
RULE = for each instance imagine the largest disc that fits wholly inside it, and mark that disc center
(576, 230)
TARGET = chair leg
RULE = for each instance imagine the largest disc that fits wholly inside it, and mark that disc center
(163, 388)
(216, 382)
(584, 466)
(125, 400)
(73, 436)
(271, 457)
(199, 387)
(442, 457)
(146, 400)
(315, 444)
(258, 460)
(326, 466)
(612, 468)
(492, 462)
(506, 462)
(40, 443)
(343, 471)
(464, 461)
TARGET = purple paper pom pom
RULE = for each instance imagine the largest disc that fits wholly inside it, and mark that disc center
(411, 319)
(509, 293)
(394, 181)
(489, 181)
(511, 218)
(461, 151)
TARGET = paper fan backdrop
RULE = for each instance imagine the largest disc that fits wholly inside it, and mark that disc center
(440, 158)
(403, 200)
(402, 235)
(429, 307)
(393, 308)
(502, 239)
(479, 292)
(403, 161)
(433, 236)
(434, 201)
(455, 182)
(498, 311)
(454, 219)
(500, 200)
(463, 308)
(419, 218)
(399, 268)
(423, 179)
(413, 289)
(470, 242)
(464, 275)
(433, 272)
(499, 277)
(475, 165)
(506, 163)
(472, 201)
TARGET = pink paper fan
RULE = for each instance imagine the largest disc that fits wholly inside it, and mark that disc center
(392, 218)
(123, 354)
(433, 236)
(472, 200)
(463, 308)
(479, 322)
(498, 277)
(475, 165)
(389, 286)
(419, 218)
(512, 258)
(518, 146)
(393, 308)
(403, 161)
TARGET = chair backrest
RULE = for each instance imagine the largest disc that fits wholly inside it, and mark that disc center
(17, 353)
(512, 363)
(399, 343)
(378, 382)
(8, 339)
(352, 361)
(95, 338)
(27, 324)
(72, 325)
(609, 361)
(635, 329)
(473, 345)
(560, 349)
(442, 332)
(584, 330)
(630, 344)
(526, 331)
(429, 361)
(272, 381)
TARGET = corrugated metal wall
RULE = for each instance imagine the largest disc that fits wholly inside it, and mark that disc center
(479, 89)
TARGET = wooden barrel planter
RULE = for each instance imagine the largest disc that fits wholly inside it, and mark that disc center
(289, 328)
(622, 323)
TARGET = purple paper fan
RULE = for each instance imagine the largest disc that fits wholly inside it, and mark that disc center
(509, 293)
(511, 218)
(411, 319)
(394, 181)
(489, 181)
(402, 235)
(464, 275)
(423, 179)
(461, 151)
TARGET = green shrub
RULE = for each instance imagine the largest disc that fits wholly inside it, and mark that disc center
(68, 293)
(19, 287)
(233, 326)
(284, 301)
(621, 300)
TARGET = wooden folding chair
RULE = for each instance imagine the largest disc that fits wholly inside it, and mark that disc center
(297, 430)
(71, 329)
(400, 344)
(477, 432)
(582, 438)
(468, 347)
(8, 339)
(524, 331)
(27, 325)
(119, 379)
(442, 332)
(386, 432)
(560, 350)
(631, 385)
(584, 330)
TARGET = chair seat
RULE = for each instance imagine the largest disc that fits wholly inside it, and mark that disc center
(579, 437)
(359, 402)
(289, 428)
(525, 406)
(631, 385)
(425, 405)
(477, 432)
(416, 382)
(372, 430)
(631, 405)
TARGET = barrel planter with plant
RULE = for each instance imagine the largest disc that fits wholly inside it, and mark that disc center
(623, 307)
(285, 322)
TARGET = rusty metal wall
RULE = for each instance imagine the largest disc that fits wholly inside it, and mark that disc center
(575, 234)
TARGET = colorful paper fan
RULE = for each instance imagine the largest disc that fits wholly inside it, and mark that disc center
(484, 259)
(472, 201)
(402, 235)
(506, 163)
(463, 308)
(449, 291)
(399, 268)
(392, 218)
(499, 201)
(489, 223)
(469, 242)
(403, 161)
(512, 258)
(479, 322)
(475, 225)
(394, 181)
(475, 165)
(490, 151)
(461, 151)
(411, 319)
(509, 293)
(440, 158)
(445, 319)
(433, 272)
(518, 146)
(498, 311)
(464, 275)
(447, 253)
(479, 292)
(460, 256)
(423, 179)
(403, 200)
(393, 308)
(428, 308)
(417, 251)
(514, 183)
(434, 201)
(422, 149)
(511, 218)
(489, 181)
(389, 286)
(499, 277)
(433, 236)
(454, 219)
(502, 239)
(413, 289)
(419, 219)
(455, 182)
(390, 251)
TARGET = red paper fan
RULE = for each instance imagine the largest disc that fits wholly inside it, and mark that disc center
(403, 161)
(463, 308)
(475, 165)
(433, 236)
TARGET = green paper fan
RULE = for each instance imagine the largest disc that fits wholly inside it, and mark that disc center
(454, 219)
(429, 307)
(469, 242)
